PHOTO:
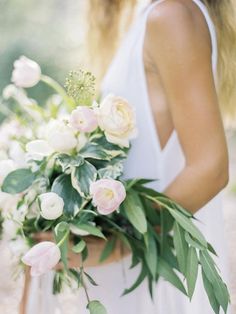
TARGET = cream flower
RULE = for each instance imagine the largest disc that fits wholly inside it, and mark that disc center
(117, 118)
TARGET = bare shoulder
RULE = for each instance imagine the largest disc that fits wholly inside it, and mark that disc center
(170, 13)
(180, 26)
(169, 9)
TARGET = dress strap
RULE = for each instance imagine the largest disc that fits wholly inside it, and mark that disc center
(210, 25)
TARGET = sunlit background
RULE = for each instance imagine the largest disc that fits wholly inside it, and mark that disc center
(52, 33)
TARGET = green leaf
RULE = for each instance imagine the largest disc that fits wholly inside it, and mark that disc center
(211, 249)
(181, 247)
(57, 282)
(193, 242)
(76, 275)
(134, 211)
(78, 248)
(94, 151)
(61, 231)
(220, 289)
(67, 161)
(18, 181)
(84, 254)
(90, 279)
(140, 279)
(138, 182)
(82, 177)
(152, 214)
(192, 270)
(108, 249)
(112, 169)
(210, 293)
(188, 225)
(169, 257)
(110, 149)
(151, 255)
(91, 230)
(95, 307)
(168, 274)
(72, 200)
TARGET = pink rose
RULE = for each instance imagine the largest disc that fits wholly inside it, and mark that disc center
(83, 119)
(42, 257)
(107, 195)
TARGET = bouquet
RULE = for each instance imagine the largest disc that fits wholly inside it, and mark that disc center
(65, 181)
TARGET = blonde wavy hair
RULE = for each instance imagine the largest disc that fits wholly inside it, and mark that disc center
(109, 19)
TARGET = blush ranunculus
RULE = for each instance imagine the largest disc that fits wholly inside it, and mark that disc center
(117, 118)
(107, 195)
(26, 73)
(83, 119)
(42, 257)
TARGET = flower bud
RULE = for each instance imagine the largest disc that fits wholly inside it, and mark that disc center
(51, 205)
(26, 72)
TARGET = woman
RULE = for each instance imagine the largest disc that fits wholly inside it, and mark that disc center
(167, 68)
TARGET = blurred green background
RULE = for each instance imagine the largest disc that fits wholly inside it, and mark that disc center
(47, 31)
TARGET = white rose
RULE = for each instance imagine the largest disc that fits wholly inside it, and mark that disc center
(38, 149)
(26, 73)
(51, 205)
(60, 136)
(6, 166)
(117, 118)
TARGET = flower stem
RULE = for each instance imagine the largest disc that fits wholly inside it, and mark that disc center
(59, 89)
(82, 280)
(64, 238)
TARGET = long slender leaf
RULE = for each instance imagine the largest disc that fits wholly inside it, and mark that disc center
(210, 293)
(140, 279)
(188, 225)
(181, 247)
(192, 270)
(133, 209)
(212, 275)
(168, 273)
(108, 249)
(193, 242)
(151, 255)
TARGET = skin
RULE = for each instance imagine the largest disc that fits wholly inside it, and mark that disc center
(177, 58)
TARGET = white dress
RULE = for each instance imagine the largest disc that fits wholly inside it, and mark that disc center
(126, 77)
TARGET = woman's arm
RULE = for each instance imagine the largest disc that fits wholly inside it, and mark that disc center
(180, 49)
